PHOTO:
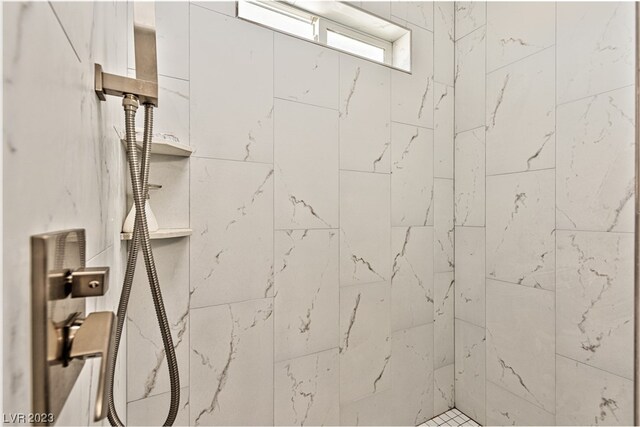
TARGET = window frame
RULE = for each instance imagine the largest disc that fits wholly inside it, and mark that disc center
(321, 25)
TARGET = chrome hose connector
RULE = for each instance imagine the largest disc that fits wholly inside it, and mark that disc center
(130, 102)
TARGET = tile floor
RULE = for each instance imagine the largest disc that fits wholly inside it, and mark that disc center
(452, 417)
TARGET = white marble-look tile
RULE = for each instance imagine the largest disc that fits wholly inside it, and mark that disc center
(470, 370)
(306, 166)
(520, 341)
(232, 229)
(595, 167)
(153, 410)
(443, 42)
(469, 80)
(365, 235)
(419, 13)
(411, 175)
(443, 389)
(443, 228)
(469, 15)
(505, 408)
(412, 94)
(443, 131)
(596, 49)
(443, 329)
(306, 390)
(240, 127)
(172, 116)
(306, 292)
(412, 375)
(411, 277)
(365, 115)
(594, 296)
(221, 6)
(470, 274)
(521, 119)
(75, 128)
(589, 396)
(516, 30)
(470, 178)
(147, 372)
(379, 8)
(520, 228)
(232, 364)
(305, 72)
(170, 204)
(365, 341)
(374, 410)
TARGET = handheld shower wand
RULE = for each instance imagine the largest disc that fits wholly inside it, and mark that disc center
(144, 89)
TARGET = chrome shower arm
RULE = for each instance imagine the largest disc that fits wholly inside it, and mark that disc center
(145, 85)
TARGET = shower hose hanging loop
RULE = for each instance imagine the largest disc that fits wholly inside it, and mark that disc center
(139, 171)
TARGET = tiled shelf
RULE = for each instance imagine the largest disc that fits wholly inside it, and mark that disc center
(163, 233)
(167, 148)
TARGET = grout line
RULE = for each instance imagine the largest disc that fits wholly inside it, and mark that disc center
(484, 254)
(518, 172)
(300, 102)
(555, 206)
(506, 282)
(64, 31)
(521, 59)
(591, 96)
(592, 367)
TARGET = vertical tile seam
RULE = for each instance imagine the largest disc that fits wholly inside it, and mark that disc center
(273, 229)
(555, 214)
(484, 130)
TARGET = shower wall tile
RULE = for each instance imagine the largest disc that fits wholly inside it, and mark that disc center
(411, 277)
(470, 274)
(365, 341)
(374, 410)
(521, 341)
(146, 358)
(443, 327)
(443, 389)
(305, 390)
(470, 370)
(521, 107)
(234, 228)
(241, 127)
(412, 375)
(412, 94)
(306, 166)
(596, 51)
(517, 30)
(411, 175)
(379, 8)
(470, 178)
(521, 227)
(173, 116)
(73, 127)
(588, 396)
(443, 43)
(306, 292)
(443, 225)
(469, 16)
(170, 204)
(153, 410)
(595, 163)
(365, 234)
(225, 7)
(232, 364)
(470, 77)
(365, 115)
(305, 72)
(443, 131)
(419, 13)
(595, 300)
(505, 408)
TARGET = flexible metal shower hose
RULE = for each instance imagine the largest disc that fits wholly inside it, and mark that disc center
(139, 172)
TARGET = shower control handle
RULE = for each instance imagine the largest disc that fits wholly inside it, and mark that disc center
(94, 337)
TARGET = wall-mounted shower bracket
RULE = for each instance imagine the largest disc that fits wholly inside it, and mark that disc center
(112, 84)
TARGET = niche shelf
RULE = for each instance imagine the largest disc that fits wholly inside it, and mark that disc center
(161, 143)
(163, 233)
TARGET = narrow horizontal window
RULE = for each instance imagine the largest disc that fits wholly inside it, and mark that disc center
(337, 25)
